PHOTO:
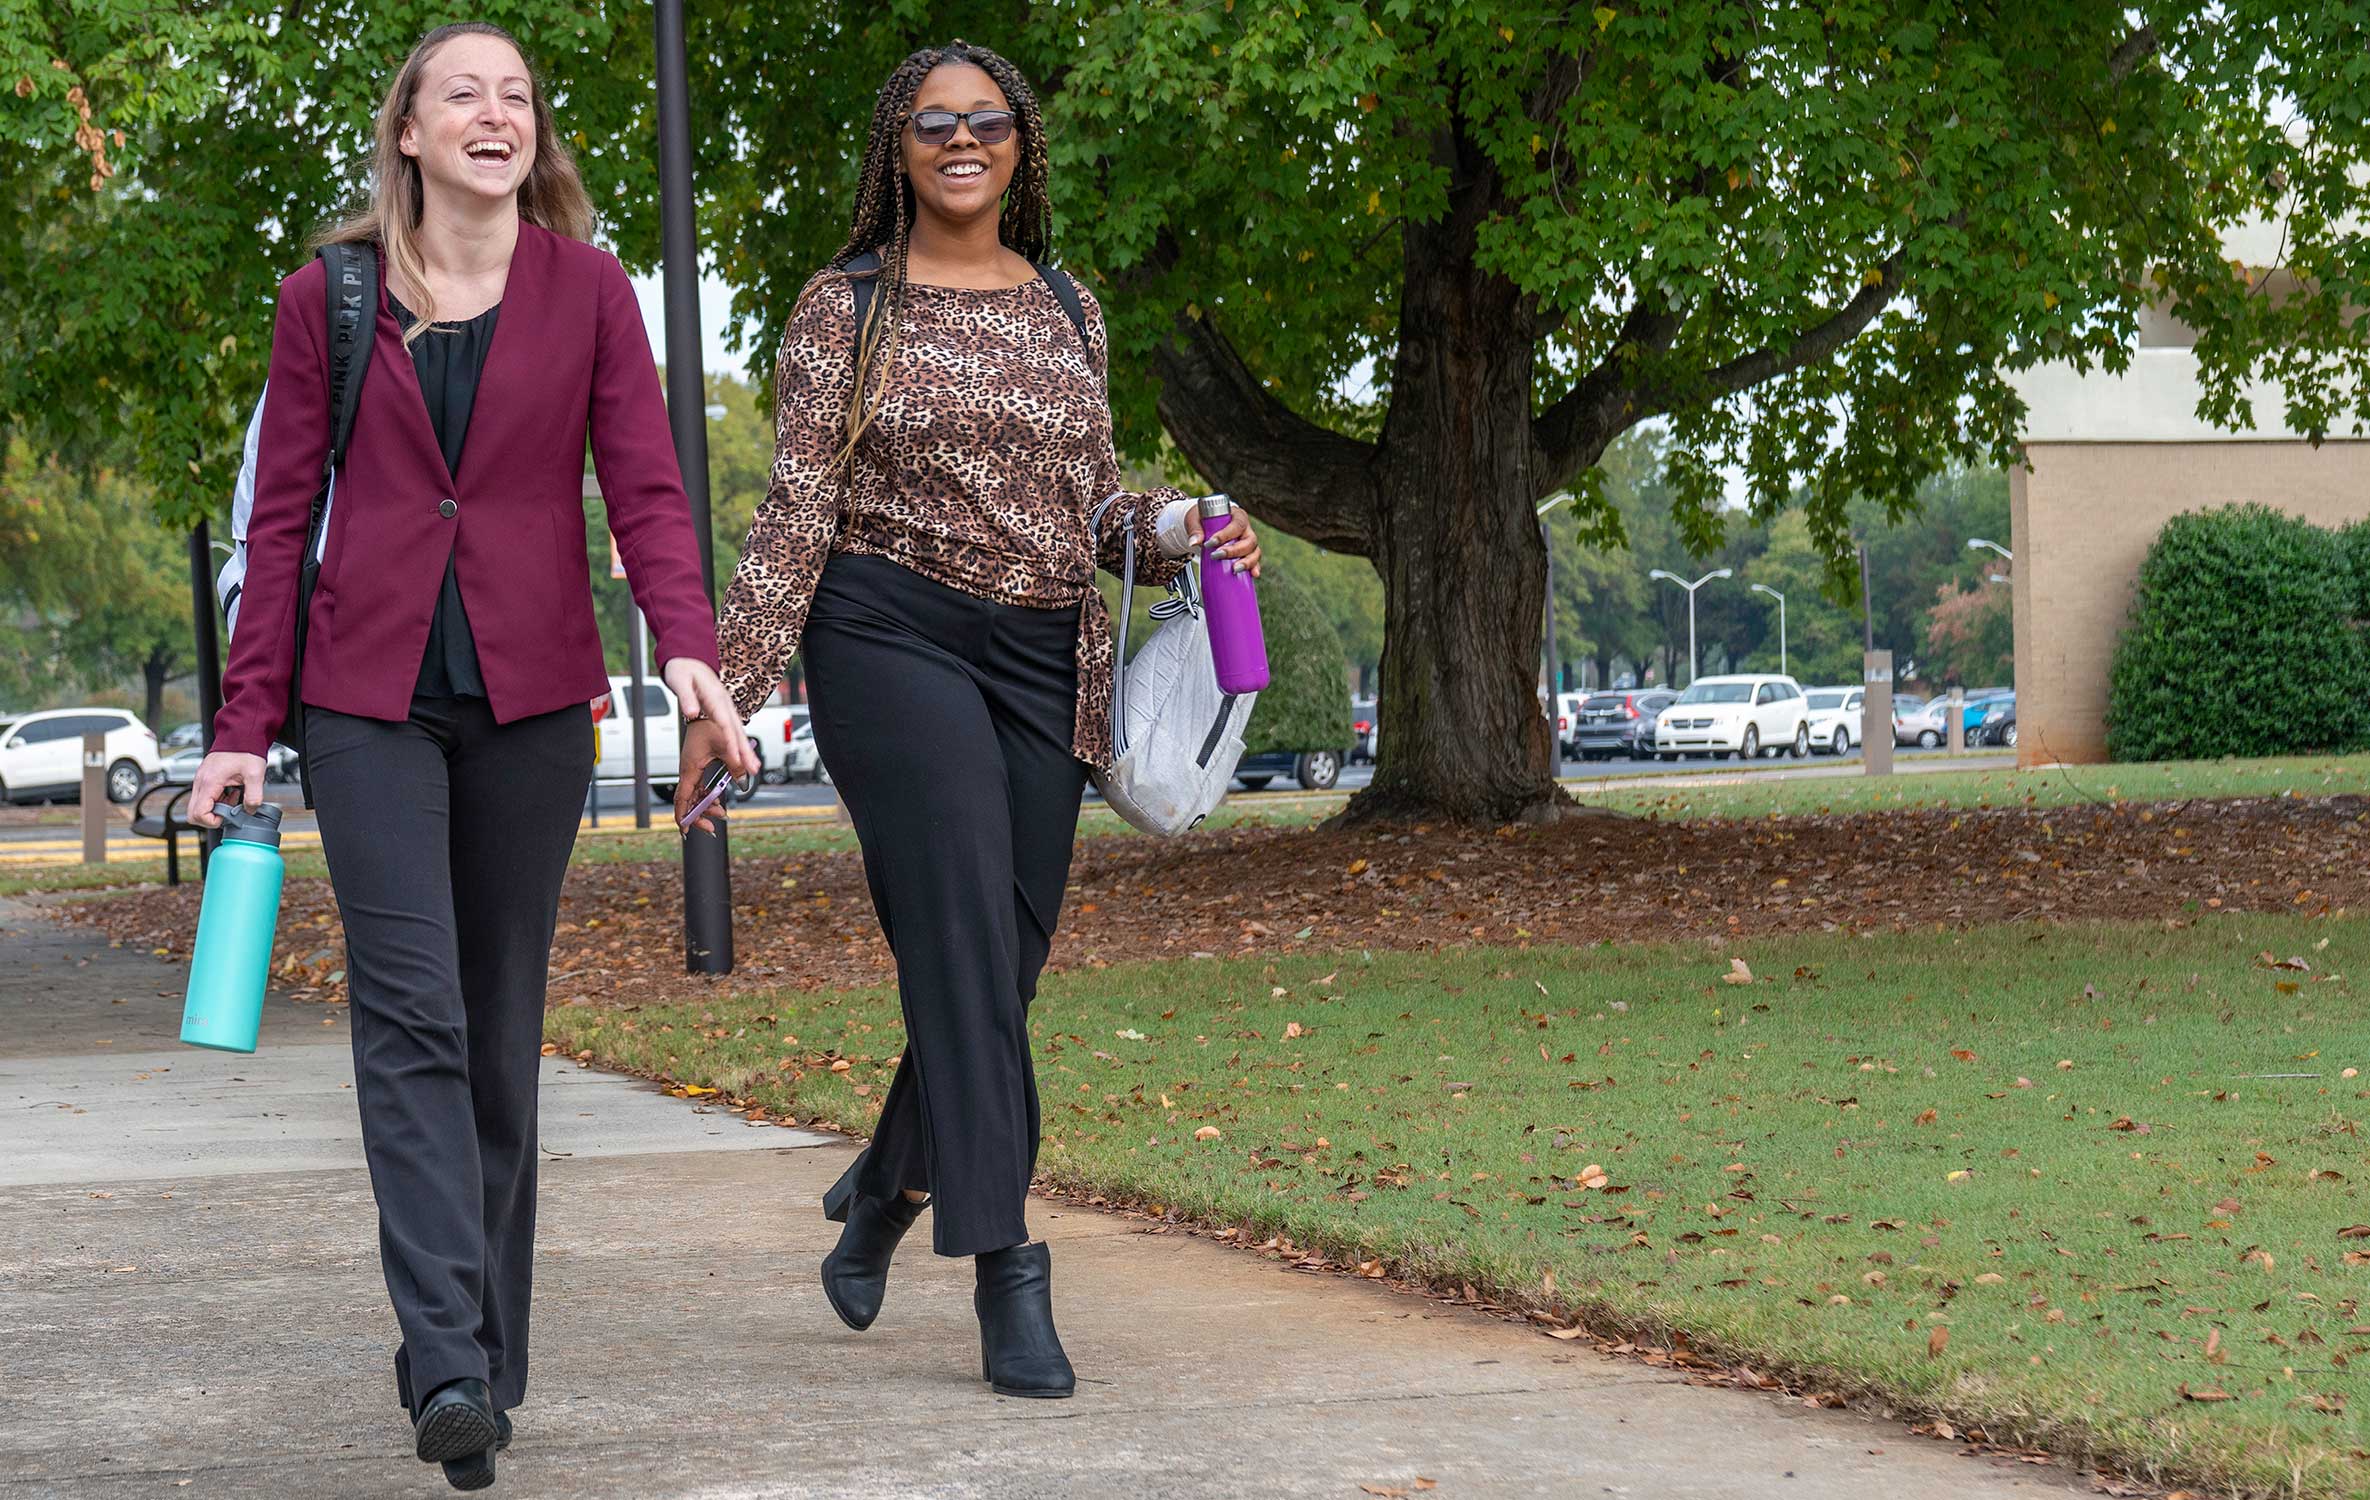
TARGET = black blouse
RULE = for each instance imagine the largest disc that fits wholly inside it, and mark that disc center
(449, 357)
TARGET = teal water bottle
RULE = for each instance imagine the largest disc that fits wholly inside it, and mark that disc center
(232, 960)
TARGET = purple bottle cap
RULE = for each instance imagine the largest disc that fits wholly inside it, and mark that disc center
(1216, 507)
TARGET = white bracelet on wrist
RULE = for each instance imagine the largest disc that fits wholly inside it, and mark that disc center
(1176, 527)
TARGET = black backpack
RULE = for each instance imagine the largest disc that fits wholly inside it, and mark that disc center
(353, 292)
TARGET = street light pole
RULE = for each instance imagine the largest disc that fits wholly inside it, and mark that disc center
(707, 859)
(1763, 588)
(1555, 666)
(1978, 544)
(1691, 588)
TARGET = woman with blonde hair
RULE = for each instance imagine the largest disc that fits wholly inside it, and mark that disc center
(449, 659)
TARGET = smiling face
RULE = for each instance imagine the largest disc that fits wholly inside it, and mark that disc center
(962, 179)
(472, 122)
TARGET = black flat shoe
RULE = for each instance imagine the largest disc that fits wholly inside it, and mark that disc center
(1019, 1353)
(455, 1422)
(501, 1430)
(856, 1272)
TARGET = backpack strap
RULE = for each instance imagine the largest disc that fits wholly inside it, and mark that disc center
(864, 280)
(353, 291)
(1065, 291)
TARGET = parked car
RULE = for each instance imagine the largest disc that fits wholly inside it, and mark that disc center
(1835, 717)
(1619, 723)
(1745, 714)
(1979, 704)
(1929, 726)
(800, 760)
(662, 731)
(184, 735)
(279, 763)
(1366, 725)
(1567, 720)
(771, 730)
(41, 754)
(1999, 722)
(1315, 770)
(1924, 725)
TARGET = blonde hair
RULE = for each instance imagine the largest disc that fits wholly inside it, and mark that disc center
(552, 197)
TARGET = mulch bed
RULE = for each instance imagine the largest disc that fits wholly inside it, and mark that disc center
(805, 920)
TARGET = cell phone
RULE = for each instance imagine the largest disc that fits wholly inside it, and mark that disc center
(711, 788)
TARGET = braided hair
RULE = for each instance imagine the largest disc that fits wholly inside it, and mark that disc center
(884, 215)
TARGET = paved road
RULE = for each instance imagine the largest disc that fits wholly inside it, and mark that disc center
(192, 1307)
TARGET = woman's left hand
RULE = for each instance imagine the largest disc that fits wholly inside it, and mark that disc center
(1237, 542)
(701, 695)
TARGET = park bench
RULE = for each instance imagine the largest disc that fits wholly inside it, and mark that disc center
(169, 824)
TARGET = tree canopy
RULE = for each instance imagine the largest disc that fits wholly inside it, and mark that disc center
(1396, 271)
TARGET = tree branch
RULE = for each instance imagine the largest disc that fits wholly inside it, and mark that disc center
(1814, 343)
(1601, 404)
(2134, 49)
(1309, 480)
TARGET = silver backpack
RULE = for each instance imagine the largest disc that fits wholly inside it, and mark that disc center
(1175, 736)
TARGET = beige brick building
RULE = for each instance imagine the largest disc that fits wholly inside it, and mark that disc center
(2110, 459)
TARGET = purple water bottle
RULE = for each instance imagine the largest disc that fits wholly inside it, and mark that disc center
(1238, 647)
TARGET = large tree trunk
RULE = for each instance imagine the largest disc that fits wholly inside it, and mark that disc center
(1442, 505)
(1458, 548)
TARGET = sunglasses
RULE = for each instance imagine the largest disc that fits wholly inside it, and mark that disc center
(935, 127)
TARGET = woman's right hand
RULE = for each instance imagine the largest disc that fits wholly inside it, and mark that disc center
(217, 774)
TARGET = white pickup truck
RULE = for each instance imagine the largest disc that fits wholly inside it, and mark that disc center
(784, 742)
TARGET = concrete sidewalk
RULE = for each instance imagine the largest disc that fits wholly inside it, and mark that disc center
(190, 1304)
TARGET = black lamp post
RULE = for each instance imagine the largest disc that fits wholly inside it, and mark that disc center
(707, 863)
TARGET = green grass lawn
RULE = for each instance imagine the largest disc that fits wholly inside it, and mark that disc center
(2006, 786)
(2027, 1178)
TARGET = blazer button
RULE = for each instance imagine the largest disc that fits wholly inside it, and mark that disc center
(447, 509)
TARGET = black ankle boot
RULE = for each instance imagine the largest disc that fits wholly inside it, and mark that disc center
(455, 1423)
(856, 1272)
(1019, 1353)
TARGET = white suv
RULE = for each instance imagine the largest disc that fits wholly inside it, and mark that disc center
(1835, 717)
(41, 754)
(1745, 715)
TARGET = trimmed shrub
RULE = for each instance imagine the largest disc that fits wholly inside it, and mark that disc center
(2242, 642)
(1306, 703)
(2357, 547)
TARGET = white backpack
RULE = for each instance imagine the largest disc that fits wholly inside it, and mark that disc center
(233, 577)
(351, 292)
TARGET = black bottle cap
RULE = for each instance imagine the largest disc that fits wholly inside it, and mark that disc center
(262, 826)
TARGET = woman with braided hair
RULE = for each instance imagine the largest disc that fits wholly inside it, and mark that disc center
(943, 488)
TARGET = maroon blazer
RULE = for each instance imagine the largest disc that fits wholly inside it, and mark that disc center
(569, 358)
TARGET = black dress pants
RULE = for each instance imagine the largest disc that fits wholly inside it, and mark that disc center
(447, 837)
(945, 720)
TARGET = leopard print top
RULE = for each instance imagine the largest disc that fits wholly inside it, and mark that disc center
(989, 450)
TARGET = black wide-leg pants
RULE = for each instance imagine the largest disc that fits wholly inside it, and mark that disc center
(945, 720)
(447, 837)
